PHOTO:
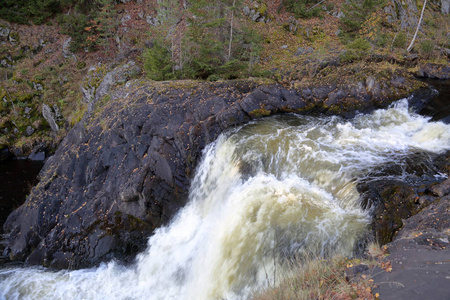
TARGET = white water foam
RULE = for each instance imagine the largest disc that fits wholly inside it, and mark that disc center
(263, 194)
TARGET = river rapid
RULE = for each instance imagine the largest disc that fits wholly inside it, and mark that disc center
(264, 194)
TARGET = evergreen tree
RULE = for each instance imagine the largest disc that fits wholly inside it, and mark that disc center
(303, 8)
(215, 46)
(158, 62)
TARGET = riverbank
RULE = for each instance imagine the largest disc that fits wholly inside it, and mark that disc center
(104, 155)
(128, 147)
(344, 148)
(419, 254)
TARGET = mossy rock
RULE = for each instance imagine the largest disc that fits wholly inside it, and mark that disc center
(95, 77)
(258, 113)
(262, 9)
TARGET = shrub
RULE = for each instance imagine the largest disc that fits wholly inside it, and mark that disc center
(213, 77)
(23, 11)
(426, 48)
(356, 50)
(231, 69)
(207, 49)
(90, 25)
(356, 13)
(399, 40)
(158, 62)
(381, 40)
(359, 44)
(74, 26)
(303, 8)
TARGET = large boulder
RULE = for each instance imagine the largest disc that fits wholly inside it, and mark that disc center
(445, 7)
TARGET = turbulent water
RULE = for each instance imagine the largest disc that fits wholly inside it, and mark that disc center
(263, 194)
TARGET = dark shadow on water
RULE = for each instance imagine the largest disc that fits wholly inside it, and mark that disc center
(438, 108)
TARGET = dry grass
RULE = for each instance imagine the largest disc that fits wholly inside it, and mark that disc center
(328, 279)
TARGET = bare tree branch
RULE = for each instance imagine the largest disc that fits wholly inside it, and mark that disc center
(231, 30)
(314, 6)
(418, 26)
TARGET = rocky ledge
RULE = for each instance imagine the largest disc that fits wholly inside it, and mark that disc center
(392, 201)
(415, 263)
(419, 254)
(125, 169)
(434, 71)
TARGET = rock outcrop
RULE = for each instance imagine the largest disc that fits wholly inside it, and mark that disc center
(419, 252)
(126, 169)
(434, 71)
(405, 12)
(394, 201)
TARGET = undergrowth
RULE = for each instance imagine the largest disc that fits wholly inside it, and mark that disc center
(213, 40)
(316, 278)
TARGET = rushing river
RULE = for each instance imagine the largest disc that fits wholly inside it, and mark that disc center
(263, 194)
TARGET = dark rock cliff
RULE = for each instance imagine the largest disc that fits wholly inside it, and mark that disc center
(126, 169)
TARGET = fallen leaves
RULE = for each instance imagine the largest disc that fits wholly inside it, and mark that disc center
(387, 266)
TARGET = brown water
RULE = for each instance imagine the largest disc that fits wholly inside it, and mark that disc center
(263, 193)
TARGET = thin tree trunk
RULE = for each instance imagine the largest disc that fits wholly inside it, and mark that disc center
(314, 6)
(172, 50)
(418, 26)
(9, 95)
(231, 31)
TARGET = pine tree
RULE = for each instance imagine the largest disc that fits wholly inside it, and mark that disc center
(213, 42)
(106, 24)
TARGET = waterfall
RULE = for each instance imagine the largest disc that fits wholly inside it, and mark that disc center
(264, 194)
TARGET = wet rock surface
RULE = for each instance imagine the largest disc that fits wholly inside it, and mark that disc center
(392, 201)
(126, 170)
(420, 257)
(420, 250)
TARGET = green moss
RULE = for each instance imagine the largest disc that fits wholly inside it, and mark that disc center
(24, 97)
(39, 77)
(81, 65)
(95, 77)
(258, 113)
(262, 9)
(77, 115)
(136, 223)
